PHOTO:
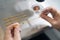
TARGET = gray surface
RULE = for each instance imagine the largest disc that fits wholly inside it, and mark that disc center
(51, 33)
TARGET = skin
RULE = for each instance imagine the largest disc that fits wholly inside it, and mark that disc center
(8, 35)
(55, 21)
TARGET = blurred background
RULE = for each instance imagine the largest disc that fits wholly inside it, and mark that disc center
(32, 25)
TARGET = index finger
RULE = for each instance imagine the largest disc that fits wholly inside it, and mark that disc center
(46, 12)
(51, 10)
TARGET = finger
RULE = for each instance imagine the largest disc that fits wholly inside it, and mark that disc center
(46, 12)
(47, 18)
(10, 29)
(16, 32)
(51, 10)
(8, 36)
(12, 26)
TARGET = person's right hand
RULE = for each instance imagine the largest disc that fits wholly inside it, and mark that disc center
(55, 21)
(13, 32)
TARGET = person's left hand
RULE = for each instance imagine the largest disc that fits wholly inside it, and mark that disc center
(13, 34)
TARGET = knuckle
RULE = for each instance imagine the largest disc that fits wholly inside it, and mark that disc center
(55, 23)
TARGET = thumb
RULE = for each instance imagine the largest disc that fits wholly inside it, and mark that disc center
(16, 32)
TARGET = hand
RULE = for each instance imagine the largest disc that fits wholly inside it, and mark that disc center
(55, 21)
(10, 31)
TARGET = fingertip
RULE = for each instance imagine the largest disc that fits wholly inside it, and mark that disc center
(13, 25)
(16, 24)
